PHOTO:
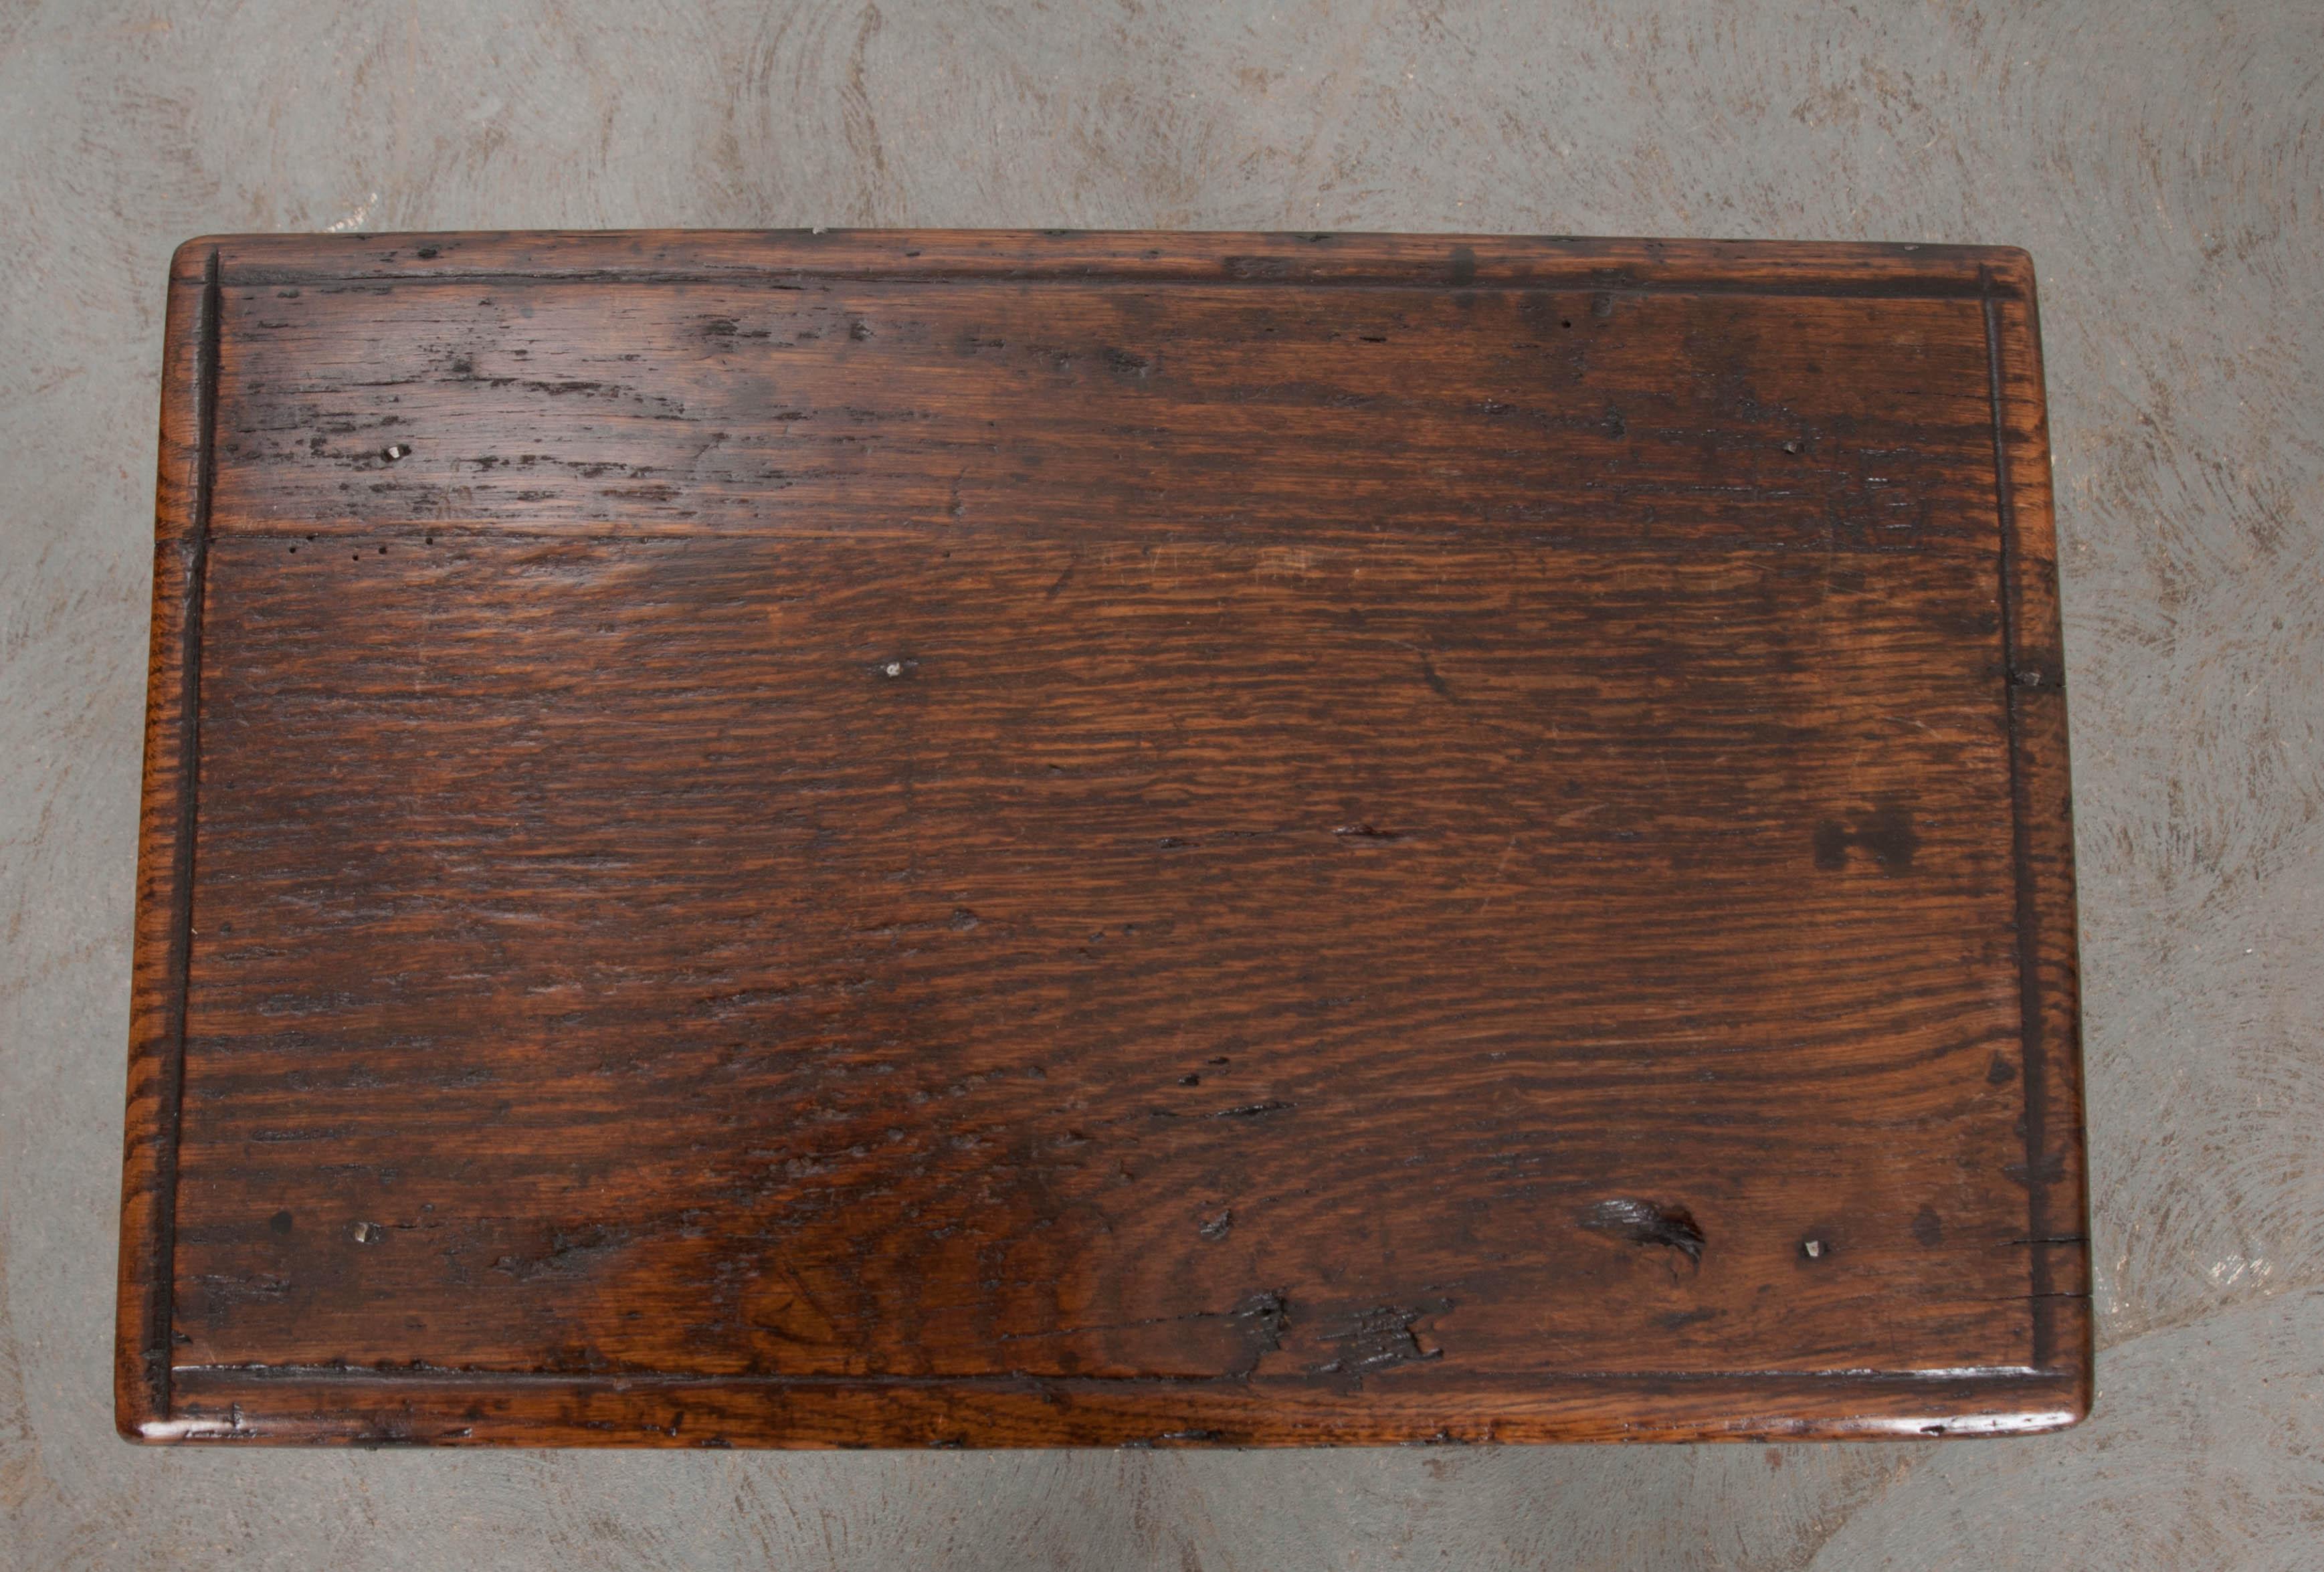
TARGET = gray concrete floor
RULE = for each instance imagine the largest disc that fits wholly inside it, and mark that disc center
(2160, 158)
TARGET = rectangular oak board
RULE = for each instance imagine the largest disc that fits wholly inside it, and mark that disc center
(944, 838)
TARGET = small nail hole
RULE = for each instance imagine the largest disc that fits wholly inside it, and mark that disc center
(393, 451)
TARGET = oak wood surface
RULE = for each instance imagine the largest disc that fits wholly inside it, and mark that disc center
(906, 839)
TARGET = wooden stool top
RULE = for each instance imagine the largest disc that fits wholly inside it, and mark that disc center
(926, 839)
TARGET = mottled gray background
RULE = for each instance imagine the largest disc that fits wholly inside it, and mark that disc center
(2161, 161)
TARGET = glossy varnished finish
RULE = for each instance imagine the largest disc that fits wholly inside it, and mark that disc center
(929, 839)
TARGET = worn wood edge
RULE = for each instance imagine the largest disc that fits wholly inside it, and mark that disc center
(2055, 1169)
(307, 1406)
(165, 844)
(941, 255)
(915, 527)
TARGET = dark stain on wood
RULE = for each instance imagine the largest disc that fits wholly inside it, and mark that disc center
(1646, 1222)
(1376, 1339)
(1011, 840)
(1885, 836)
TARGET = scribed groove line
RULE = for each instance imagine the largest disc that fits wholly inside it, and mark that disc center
(778, 278)
(395, 1376)
(2029, 975)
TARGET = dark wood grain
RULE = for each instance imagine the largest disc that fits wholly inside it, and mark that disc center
(1012, 840)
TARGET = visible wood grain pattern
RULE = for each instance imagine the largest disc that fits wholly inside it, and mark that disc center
(918, 839)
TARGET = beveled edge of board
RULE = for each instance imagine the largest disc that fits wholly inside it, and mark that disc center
(360, 1407)
(143, 1338)
(2056, 1168)
(157, 1403)
(1849, 268)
